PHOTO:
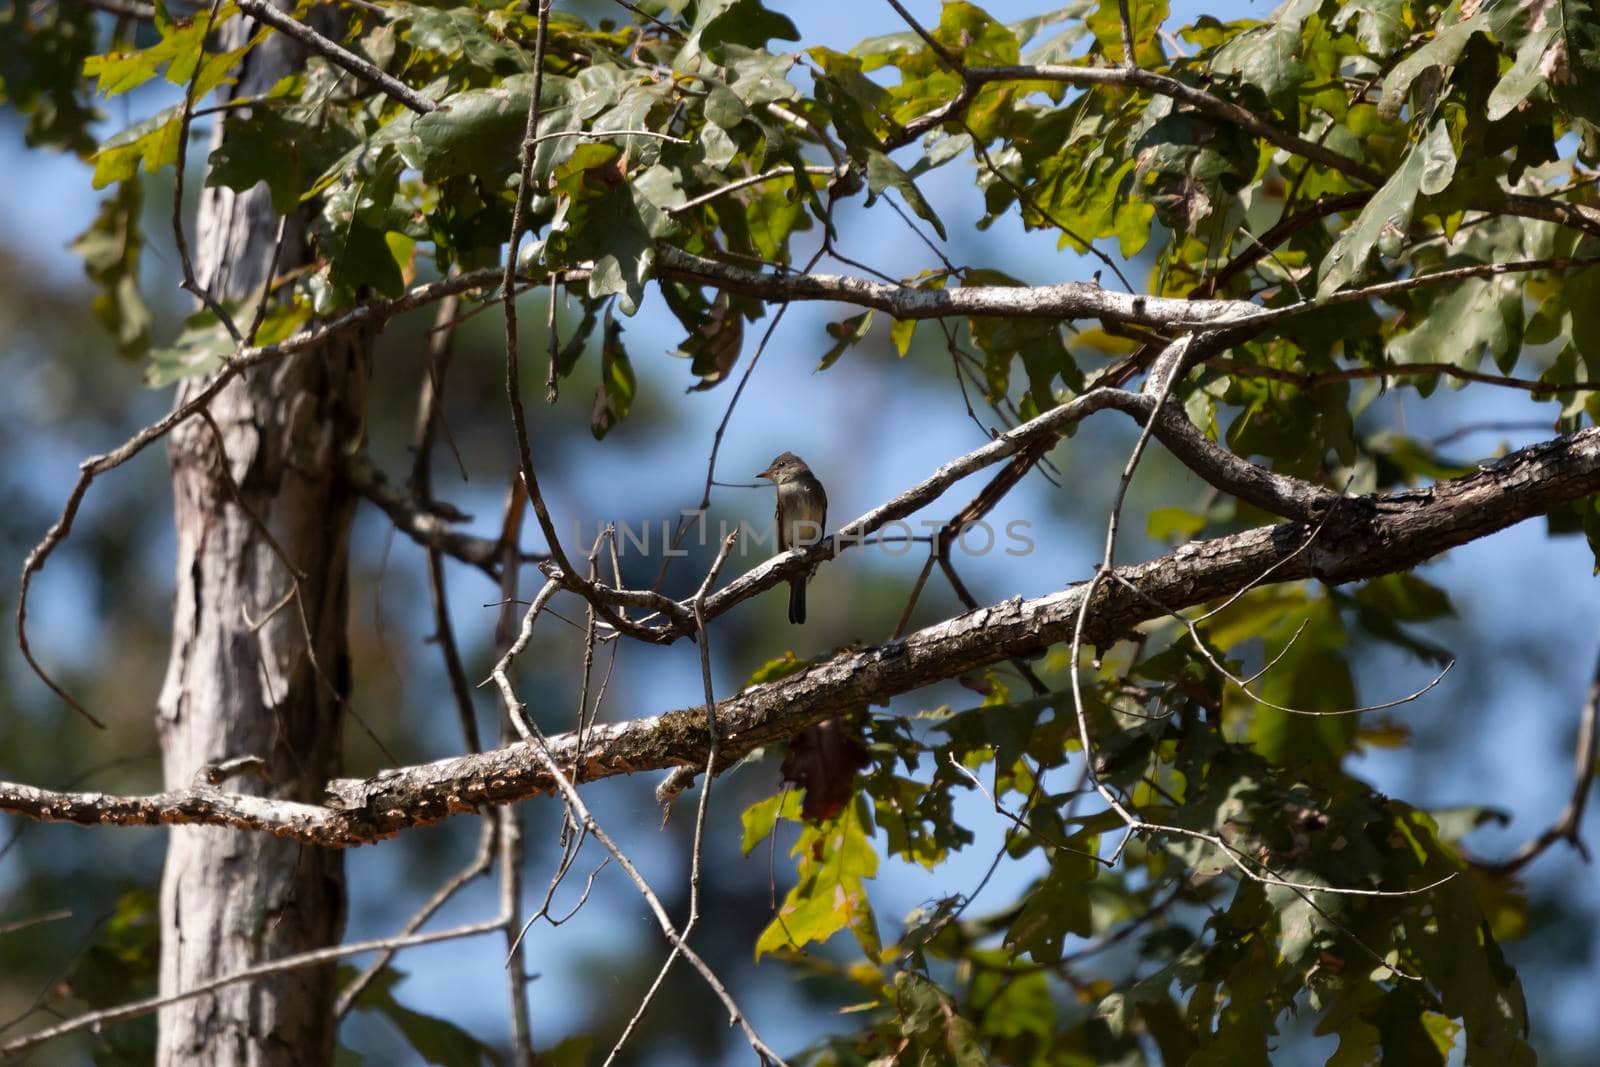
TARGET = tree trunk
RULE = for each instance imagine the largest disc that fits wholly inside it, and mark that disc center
(243, 679)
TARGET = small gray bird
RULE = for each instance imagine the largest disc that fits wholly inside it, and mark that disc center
(802, 517)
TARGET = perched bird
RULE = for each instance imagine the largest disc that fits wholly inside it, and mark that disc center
(802, 516)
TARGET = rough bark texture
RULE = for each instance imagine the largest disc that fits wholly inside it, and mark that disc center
(242, 680)
(1361, 538)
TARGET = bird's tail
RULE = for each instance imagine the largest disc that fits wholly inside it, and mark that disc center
(797, 600)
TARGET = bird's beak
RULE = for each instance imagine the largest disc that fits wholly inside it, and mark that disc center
(767, 474)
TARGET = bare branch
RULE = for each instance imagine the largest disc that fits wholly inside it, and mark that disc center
(149, 1006)
(944, 54)
(509, 818)
(429, 419)
(1162, 378)
(1575, 216)
(542, 752)
(477, 868)
(1215, 107)
(19, 925)
(426, 522)
(705, 797)
(745, 182)
(189, 282)
(1367, 536)
(370, 314)
(600, 135)
(1070, 300)
(1568, 826)
(338, 55)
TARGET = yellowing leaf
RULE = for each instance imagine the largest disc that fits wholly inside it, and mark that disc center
(834, 859)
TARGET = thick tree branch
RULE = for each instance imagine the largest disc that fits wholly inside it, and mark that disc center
(1231, 320)
(1071, 300)
(1363, 538)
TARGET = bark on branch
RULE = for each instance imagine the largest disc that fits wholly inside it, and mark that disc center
(1365, 537)
(1070, 300)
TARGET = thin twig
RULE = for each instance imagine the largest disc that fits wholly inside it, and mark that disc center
(1243, 684)
(19, 925)
(561, 567)
(151, 1005)
(427, 521)
(584, 718)
(189, 282)
(510, 911)
(513, 376)
(944, 54)
(600, 135)
(552, 390)
(1569, 825)
(369, 314)
(296, 591)
(439, 348)
(437, 353)
(515, 709)
(1286, 228)
(541, 751)
(476, 868)
(1163, 376)
(705, 796)
(745, 182)
(671, 31)
(1027, 200)
(1018, 821)
(1492, 426)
